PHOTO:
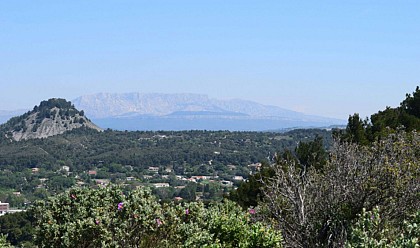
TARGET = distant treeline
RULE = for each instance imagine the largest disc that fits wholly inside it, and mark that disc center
(84, 148)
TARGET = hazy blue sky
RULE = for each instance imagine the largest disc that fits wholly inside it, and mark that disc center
(330, 58)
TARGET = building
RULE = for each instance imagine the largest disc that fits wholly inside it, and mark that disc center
(153, 169)
(256, 166)
(102, 182)
(238, 178)
(226, 183)
(92, 172)
(161, 185)
(4, 208)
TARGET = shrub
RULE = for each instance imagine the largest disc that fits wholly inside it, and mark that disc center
(371, 230)
(3, 242)
(106, 217)
(316, 208)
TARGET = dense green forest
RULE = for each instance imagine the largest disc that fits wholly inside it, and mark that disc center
(357, 187)
(118, 155)
(84, 148)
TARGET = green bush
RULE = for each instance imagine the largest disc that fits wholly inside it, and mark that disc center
(3, 242)
(371, 230)
(107, 217)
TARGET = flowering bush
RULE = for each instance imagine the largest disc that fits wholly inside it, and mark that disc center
(371, 230)
(220, 225)
(108, 218)
(99, 218)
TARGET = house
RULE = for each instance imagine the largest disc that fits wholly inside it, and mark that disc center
(43, 180)
(161, 185)
(189, 179)
(256, 166)
(200, 177)
(92, 172)
(65, 168)
(153, 169)
(238, 178)
(4, 208)
(102, 182)
(35, 170)
(227, 183)
(177, 198)
(130, 178)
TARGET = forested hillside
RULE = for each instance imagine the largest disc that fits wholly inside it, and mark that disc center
(357, 187)
(84, 148)
(34, 168)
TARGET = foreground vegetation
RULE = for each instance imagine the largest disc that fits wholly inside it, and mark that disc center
(317, 207)
(109, 217)
(372, 168)
(364, 191)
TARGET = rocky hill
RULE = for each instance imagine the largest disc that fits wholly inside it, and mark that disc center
(50, 118)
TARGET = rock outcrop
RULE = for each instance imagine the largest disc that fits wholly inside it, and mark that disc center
(50, 118)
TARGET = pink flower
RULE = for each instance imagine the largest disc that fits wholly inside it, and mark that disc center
(97, 222)
(158, 222)
(120, 205)
(252, 211)
(187, 211)
(73, 196)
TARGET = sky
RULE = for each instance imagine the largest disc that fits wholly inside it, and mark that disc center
(328, 58)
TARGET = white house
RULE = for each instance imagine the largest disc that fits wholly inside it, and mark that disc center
(161, 185)
(4, 208)
(153, 169)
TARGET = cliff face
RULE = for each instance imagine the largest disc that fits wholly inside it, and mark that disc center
(50, 118)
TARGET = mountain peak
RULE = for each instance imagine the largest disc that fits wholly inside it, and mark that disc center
(52, 117)
(184, 111)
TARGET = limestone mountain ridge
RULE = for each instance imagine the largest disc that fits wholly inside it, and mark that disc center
(52, 117)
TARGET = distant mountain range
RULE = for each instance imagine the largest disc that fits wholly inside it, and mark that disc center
(138, 111)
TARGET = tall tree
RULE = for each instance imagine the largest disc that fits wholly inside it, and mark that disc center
(356, 130)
